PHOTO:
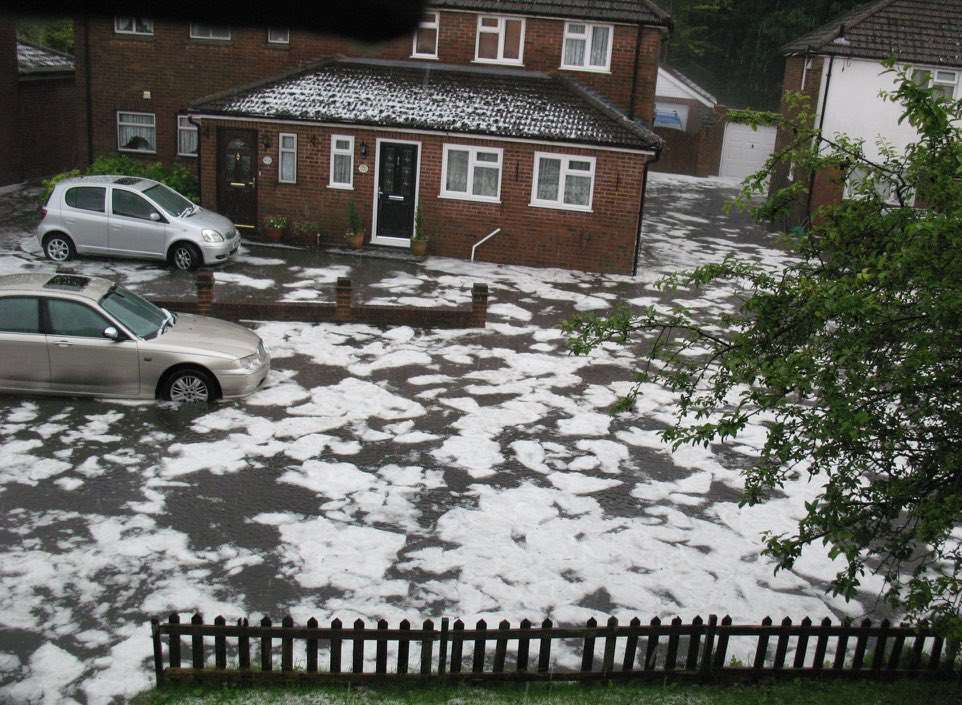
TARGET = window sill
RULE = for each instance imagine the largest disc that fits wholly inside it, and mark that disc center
(132, 35)
(424, 57)
(498, 62)
(188, 156)
(341, 187)
(586, 69)
(212, 42)
(472, 199)
(561, 207)
(136, 151)
(277, 45)
(286, 183)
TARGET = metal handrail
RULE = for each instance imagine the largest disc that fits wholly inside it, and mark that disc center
(483, 240)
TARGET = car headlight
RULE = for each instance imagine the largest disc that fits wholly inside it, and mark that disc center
(212, 236)
(249, 363)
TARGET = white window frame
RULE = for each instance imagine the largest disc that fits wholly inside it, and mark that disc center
(185, 125)
(501, 32)
(473, 162)
(281, 153)
(934, 80)
(145, 20)
(348, 152)
(281, 42)
(563, 174)
(681, 109)
(210, 37)
(588, 38)
(121, 123)
(435, 24)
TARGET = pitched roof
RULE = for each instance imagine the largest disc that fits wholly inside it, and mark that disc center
(921, 31)
(667, 73)
(634, 11)
(470, 100)
(33, 59)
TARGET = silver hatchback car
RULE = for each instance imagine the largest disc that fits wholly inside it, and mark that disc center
(86, 336)
(126, 216)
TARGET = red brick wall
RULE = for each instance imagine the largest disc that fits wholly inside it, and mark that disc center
(177, 70)
(9, 160)
(50, 113)
(603, 240)
(696, 151)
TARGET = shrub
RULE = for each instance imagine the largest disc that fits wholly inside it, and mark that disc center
(176, 176)
(354, 223)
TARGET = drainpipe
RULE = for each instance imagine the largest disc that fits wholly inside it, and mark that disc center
(634, 75)
(821, 125)
(89, 92)
(641, 213)
(200, 172)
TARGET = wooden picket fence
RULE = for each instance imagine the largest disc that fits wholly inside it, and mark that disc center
(697, 650)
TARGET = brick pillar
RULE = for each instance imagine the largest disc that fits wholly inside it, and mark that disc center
(479, 305)
(342, 300)
(205, 291)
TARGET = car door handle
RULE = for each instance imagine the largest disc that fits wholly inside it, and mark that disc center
(62, 343)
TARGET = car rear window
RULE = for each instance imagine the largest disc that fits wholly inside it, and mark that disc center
(88, 198)
(19, 314)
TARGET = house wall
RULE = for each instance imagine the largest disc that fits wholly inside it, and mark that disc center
(51, 128)
(175, 70)
(9, 139)
(603, 240)
(695, 151)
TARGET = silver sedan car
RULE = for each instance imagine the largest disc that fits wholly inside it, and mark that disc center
(85, 336)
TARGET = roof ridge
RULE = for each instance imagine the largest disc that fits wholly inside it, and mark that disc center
(846, 20)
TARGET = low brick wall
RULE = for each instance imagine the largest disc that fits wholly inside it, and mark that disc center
(344, 310)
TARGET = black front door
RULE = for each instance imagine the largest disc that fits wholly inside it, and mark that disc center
(237, 176)
(397, 184)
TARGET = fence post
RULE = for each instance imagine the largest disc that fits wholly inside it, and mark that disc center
(762, 650)
(841, 647)
(427, 646)
(266, 661)
(173, 648)
(608, 658)
(403, 645)
(197, 644)
(457, 646)
(694, 643)
(588, 653)
(631, 645)
(544, 650)
(651, 648)
(821, 644)
(342, 300)
(500, 648)
(443, 646)
(312, 648)
(243, 645)
(479, 305)
(380, 655)
(671, 658)
(477, 662)
(897, 646)
(781, 646)
(336, 645)
(801, 646)
(858, 660)
(357, 641)
(708, 651)
(878, 658)
(220, 644)
(204, 285)
(918, 644)
(721, 651)
(287, 646)
(523, 647)
(158, 651)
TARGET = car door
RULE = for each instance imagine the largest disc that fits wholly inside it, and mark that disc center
(82, 359)
(84, 213)
(136, 227)
(25, 365)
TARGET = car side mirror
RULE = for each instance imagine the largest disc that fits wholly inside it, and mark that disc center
(112, 333)
(155, 216)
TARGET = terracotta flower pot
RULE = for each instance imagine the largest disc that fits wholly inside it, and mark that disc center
(357, 240)
(419, 248)
(273, 233)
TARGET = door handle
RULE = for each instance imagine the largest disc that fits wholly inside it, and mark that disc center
(396, 198)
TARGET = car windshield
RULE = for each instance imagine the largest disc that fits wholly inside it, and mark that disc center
(169, 200)
(136, 313)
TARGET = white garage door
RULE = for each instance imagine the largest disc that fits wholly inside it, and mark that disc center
(745, 150)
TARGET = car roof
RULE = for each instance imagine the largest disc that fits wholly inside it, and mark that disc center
(93, 288)
(137, 183)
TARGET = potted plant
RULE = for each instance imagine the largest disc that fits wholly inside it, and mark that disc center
(276, 227)
(309, 233)
(355, 227)
(419, 243)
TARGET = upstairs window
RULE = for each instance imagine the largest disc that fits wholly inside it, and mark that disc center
(134, 25)
(587, 47)
(426, 38)
(278, 35)
(562, 181)
(500, 40)
(939, 80)
(206, 31)
(136, 132)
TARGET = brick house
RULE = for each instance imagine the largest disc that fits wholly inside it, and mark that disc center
(41, 127)
(838, 66)
(572, 81)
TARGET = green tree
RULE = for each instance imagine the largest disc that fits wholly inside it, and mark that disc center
(54, 33)
(850, 357)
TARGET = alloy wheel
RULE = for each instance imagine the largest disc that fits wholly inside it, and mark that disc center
(58, 249)
(183, 258)
(189, 388)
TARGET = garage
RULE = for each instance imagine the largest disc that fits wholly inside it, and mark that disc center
(745, 149)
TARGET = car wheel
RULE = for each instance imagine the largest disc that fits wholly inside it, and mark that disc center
(58, 248)
(189, 386)
(185, 257)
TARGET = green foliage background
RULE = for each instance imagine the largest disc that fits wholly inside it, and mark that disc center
(732, 47)
(53, 32)
(176, 176)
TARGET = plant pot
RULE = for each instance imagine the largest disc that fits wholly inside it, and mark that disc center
(357, 240)
(419, 248)
(273, 233)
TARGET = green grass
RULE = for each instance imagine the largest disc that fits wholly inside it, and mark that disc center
(790, 693)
